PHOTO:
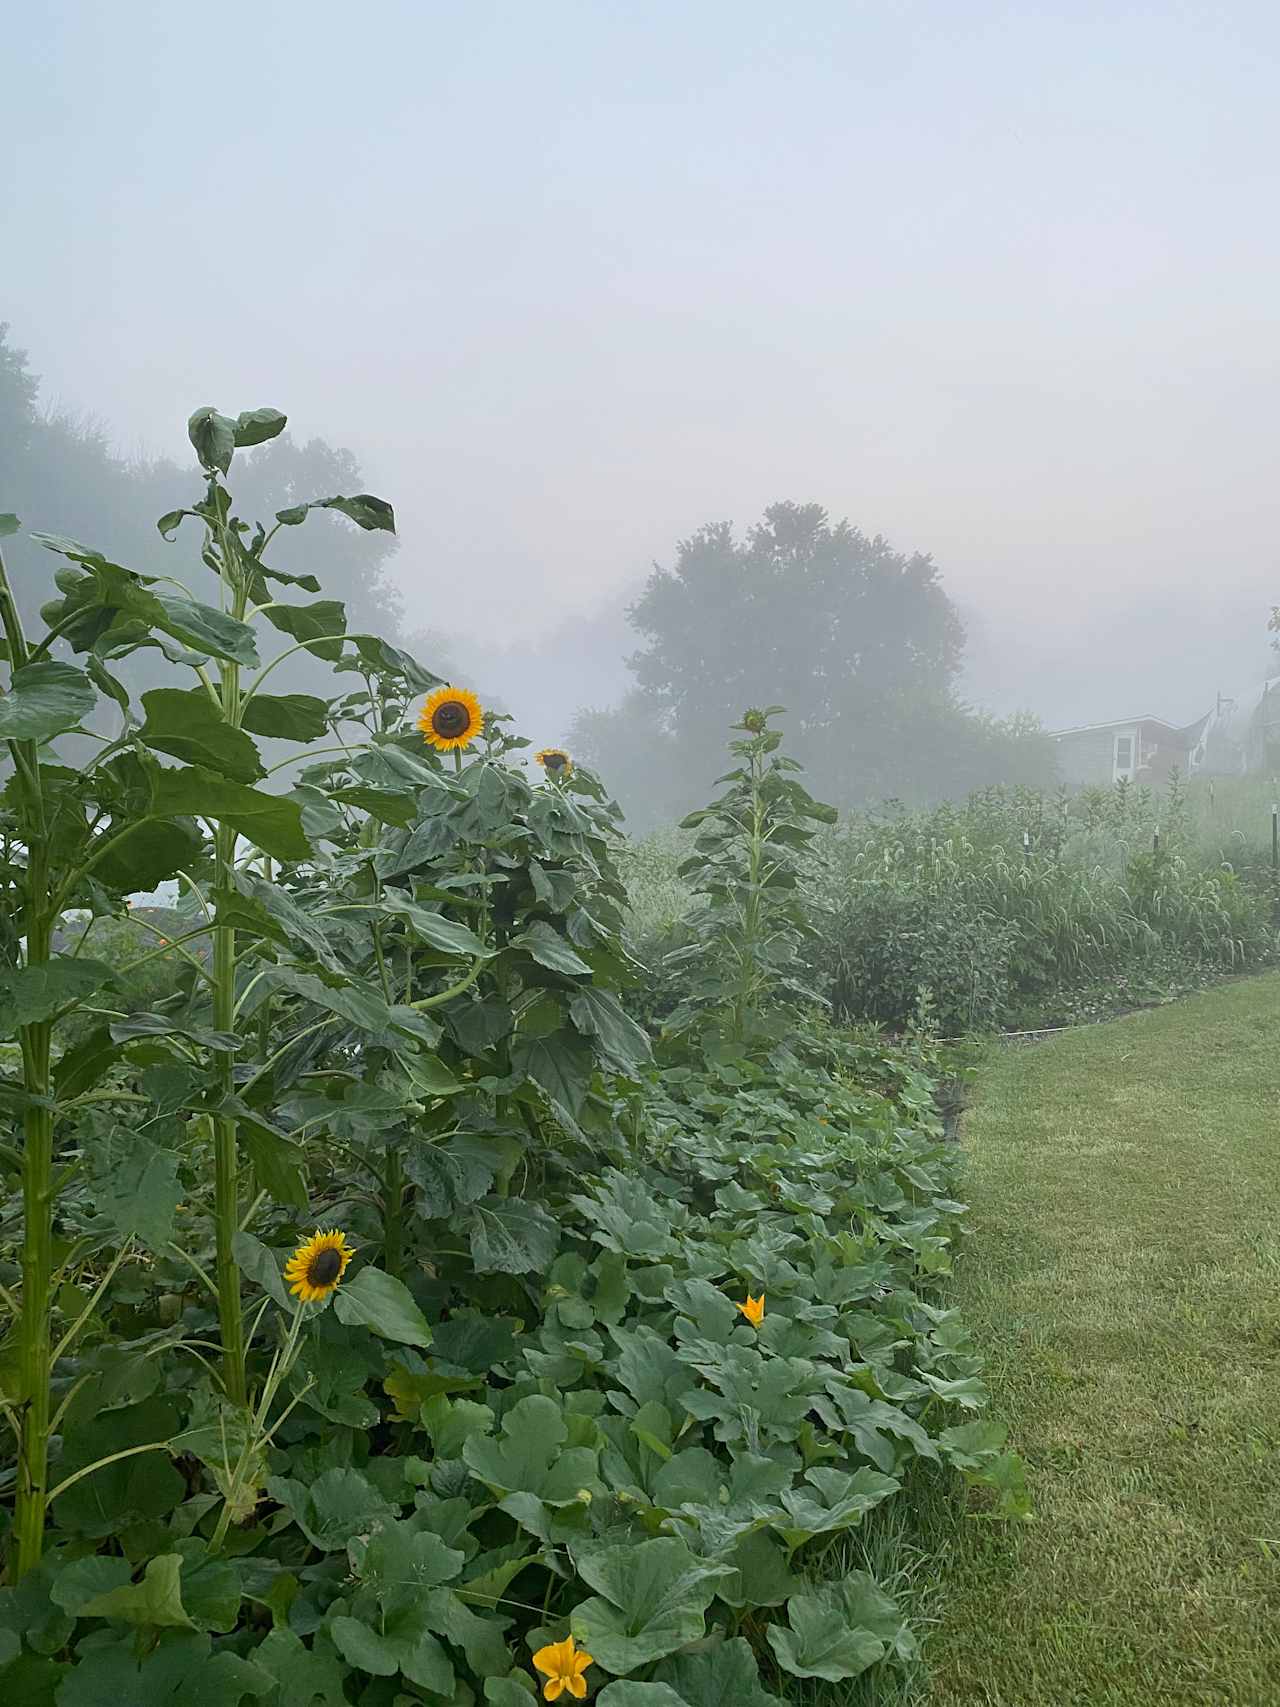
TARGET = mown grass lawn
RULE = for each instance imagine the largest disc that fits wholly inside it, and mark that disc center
(1124, 1281)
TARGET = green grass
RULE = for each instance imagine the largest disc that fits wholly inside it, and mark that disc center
(1124, 1280)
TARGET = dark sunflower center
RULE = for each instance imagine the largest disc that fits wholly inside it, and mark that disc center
(324, 1267)
(451, 719)
(555, 761)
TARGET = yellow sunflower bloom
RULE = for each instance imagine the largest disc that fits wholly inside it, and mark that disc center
(318, 1264)
(563, 1665)
(753, 1309)
(451, 719)
(555, 761)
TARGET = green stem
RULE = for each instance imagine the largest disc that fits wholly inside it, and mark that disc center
(393, 1213)
(457, 989)
(226, 1160)
(65, 1343)
(34, 1330)
(226, 1168)
(280, 1367)
(101, 1464)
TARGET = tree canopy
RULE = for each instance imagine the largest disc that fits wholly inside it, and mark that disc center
(858, 641)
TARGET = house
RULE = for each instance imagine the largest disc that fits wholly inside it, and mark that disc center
(1132, 749)
(1242, 733)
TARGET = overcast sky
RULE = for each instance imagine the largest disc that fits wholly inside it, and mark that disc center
(996, 280)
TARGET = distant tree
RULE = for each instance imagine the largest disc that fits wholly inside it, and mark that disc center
(859, 642)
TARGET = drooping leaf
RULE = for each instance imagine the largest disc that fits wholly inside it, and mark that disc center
(286, 716)
(205, 629)
(84, 1580)
(357, 1002)
(437, 932)
(155, 1601)
(165, 1025)
(470, 1340)
(43, 700)
(146, 853)
(187, 725)
(561, 1064)
(277, 1162)
(364, 509)
(599, 1013)
(256, 426)
(29, 994)
(269, 910)
(377, 1300)
(262, 1267)
(213, 438)
(450, 1175)
(510, 1235)
(136, 1185)
(269, 821)
(322, 624)
(550, 949)
(211, 1591)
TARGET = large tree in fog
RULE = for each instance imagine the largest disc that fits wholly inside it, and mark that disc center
(859, 642)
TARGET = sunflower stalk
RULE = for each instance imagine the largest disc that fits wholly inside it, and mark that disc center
(226, 1159)
(258, 1435)
(393, 1208)
(35, 1348)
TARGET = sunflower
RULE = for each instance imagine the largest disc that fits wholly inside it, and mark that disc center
(555, 761)
(451, 718)
(318, 1264)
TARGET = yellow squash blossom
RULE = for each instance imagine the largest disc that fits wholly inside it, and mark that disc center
(563, 1666)
(318, 1264)
(753, 1309)
(451, 719)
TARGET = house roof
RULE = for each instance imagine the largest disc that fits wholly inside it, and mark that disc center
(1118, 723)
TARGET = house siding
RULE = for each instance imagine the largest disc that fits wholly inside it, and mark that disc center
(1089, 757)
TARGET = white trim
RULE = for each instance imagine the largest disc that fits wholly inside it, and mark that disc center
(1117, 723)
(1134, 737)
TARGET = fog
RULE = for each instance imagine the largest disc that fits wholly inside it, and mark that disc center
(571, 281)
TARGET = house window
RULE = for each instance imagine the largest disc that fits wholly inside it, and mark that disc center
(1123, 756)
